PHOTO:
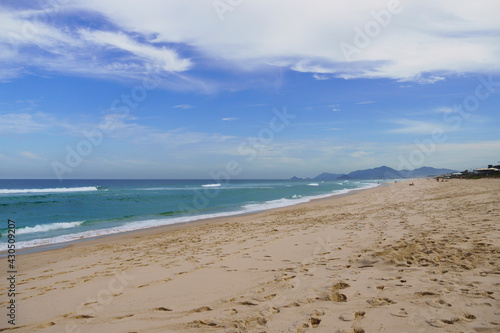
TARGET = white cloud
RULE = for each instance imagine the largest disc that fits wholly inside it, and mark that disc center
(27, 39)
(230, 119)
(183, 106)
(425, 80)
(445, 109)
(159, 58)
(335, 107)
(30, 155)
(127, 127)
(22, 123)
(320, 77)
(409, 126)
(424, 42)
(359, 153)
(178, 137)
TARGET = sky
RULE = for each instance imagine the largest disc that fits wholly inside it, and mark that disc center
(246, 88)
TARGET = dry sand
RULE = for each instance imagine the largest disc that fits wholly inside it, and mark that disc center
(399, 258)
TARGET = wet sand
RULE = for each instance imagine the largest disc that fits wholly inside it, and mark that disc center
(399, 258)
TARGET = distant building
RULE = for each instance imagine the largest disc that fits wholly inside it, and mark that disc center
(489, 171)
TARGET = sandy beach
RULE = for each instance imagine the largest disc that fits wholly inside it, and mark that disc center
(397, 258)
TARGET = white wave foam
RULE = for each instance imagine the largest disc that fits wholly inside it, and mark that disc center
(49, 190)
(48, 227)
(211, 185)
(132, 226)
(313, 184)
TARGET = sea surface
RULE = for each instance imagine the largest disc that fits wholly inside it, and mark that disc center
(48, 212)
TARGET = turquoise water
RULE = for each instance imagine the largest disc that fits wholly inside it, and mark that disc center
(51, 212)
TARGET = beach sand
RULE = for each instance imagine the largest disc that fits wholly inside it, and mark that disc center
(398, 258)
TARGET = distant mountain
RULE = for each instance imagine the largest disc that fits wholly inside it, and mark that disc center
(328, 176)
(424, 172)
(297, 178)
(383, 172)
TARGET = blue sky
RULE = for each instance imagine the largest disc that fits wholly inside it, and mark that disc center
(257, 89)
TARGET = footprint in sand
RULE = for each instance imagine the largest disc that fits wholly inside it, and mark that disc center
(318, 313)
(292, 305)
(121, 317)
(469, 317)
(442, 322)
(161, 308)
(231, 312)
(340, 285)
(426, 293)
(352, 316)
(380, 301)
(400, 313)
(314, 322)
(437, 303)
(197, 323)
(336, 297)
(202, 309)
(274, 310)
(82, 317)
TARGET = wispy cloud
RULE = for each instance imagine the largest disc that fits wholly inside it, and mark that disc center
(183, 106)
(152, 36)
(359, 153)
(158, 58)
(22, 123)
(128, 128)
(335, 107)
(30, 155)
(26, 41)
(320, 77)
(178, 137)
(409, 126)
(445, 109)
(230, 119)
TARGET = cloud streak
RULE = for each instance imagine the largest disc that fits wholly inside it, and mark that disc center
(421, 43)
(22, 123)
(28, 42)
(408, 126)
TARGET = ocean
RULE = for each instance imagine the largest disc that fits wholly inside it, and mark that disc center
(50, 212)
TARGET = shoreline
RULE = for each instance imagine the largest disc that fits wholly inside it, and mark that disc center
(395, 258)
(62, 245)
